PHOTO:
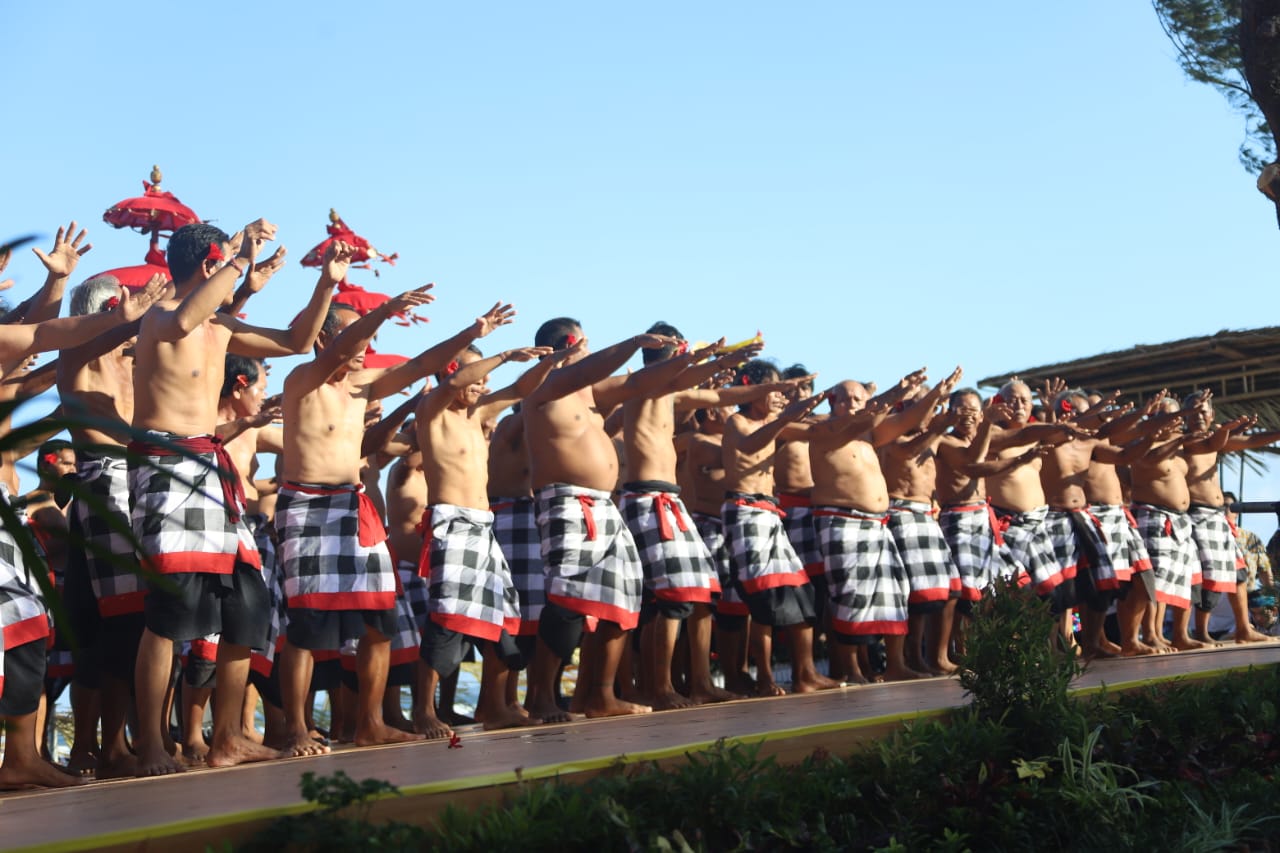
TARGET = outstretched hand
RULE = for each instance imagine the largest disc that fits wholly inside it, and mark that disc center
(254, 237)
(648, 341)
(410, 299)
(803, 406)
(498, 315)
(261, 272)
(337, 260)
(528, 353)
(133, 304)
(946, 386)
(66, 252)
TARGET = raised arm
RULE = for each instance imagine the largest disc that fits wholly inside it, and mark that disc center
(652, 380)
(913, 416)
(491, 404)
(434, 359)
(377, 436)
(299, 337)
(758, 440)
(578, 374)
(65, 332)
(61, 262)
(259, 274)
(207, 296)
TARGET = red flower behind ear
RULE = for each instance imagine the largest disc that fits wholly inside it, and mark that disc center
(452, 367)
(997, 399)
(1065, 406)
(51, 459)
(112, 304)
(215, 252)
(683, 348)
(746, 380)
(242, 381)
(570, 340)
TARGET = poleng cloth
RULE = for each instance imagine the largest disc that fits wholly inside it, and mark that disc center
(1168, 536)
(326, 567)
(759, 550)
(677, 566)
(588, 556)
(187, 506)
(866, 579)
(470, 589)
(931, 571)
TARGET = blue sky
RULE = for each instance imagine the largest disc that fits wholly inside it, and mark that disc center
(874, 186)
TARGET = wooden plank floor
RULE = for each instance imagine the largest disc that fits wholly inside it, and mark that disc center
(208, 806)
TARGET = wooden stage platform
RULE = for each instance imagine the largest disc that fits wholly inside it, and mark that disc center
(202, 807)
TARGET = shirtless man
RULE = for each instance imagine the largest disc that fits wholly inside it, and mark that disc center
(1160, 502)
(794, 482)
(589, 559)
(23, 621)
(910, 473)
(866, 579)
(471, 592)
(1221, 560)
(765, 566)
(680, 576)
(343, 587)
(179, 477)
(704, 463)
(1018, 499)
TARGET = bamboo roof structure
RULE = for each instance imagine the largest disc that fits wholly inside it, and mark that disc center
(1241, 367)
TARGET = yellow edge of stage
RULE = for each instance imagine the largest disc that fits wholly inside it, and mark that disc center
(155, 836)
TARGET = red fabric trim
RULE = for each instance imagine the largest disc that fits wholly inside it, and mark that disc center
(587, 502)
(123, 604)
(767, 506)
(324, 655)
(863, 628)
(528, 628)
(501, 505)
(61, 670)
(468, 626)
(1110, 583)
(1055, 580)
(664, 503)
(200, 562)
(733, 608)
(345, 600)
(696, 594)
(715, 585)
(1141, 566)
(228, 476)
(1197, 578)
(968, 593)
(1219, 586)
(26, 631)
(204, 650)
(787, 500)
(774, 581)
(259, 664)
(815, 570)
(626, 619)
(368, 521)
(511, 624)
(399, 656)
(1173, 600)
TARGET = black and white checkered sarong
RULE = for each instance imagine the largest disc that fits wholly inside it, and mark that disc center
(180, 516)
(711, 529)
(677, 566)
(261, 659)
(515, 526)
(590, 560)
(759, 551)
(1220, 554)
(1168, 537)
(979, 558)
(866, 579)
(22, 612)
(407, 639)
(802, 534)
(470, 590)
(1061, 529)
(1031, 547)
(101, 520)
(932, 572)
(1117, 535)
(415, 592)
(325, 566)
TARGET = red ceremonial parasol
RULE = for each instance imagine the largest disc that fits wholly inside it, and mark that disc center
(153, 211)
(373, 358)
(137, 277)
(338, 230)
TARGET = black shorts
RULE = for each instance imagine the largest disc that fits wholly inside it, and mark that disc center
(200, 673)
(782, 606)
(442, 649)
(24, 668)
(268, 685)
(676, 610)
(1063, 597)
(1204, 599)
(1088, 594)
(190, 605)
(326, 676)
(1142, 584)
(730, 621)
(560, 629)
(925, 608)
(327, 630)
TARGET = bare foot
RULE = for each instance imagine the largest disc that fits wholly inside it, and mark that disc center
(813, 683)
(83, 763)
(195, 753)
(670, 701)
(943, 668)
(432, 727)
(157, 764)
(903, 673)
(1254, 637)
(398, 723)
(37, 774)
(1137, 649)
(710, 694)
(1186, 644)
(548, 712)
(509, 717)
(1108, 647)
(380, 733)
(239, 750)
(766, 687)
(112, 766)
(250, 733)
(612, 707)
(304, 744)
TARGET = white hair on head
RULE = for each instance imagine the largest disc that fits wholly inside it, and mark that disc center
(92, 295)
(1006, 390)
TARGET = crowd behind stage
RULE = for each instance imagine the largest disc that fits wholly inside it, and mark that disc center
(696, 510)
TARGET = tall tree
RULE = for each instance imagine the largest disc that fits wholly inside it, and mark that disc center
(1234, 46)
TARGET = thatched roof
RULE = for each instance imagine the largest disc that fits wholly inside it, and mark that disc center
(1242, 368)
